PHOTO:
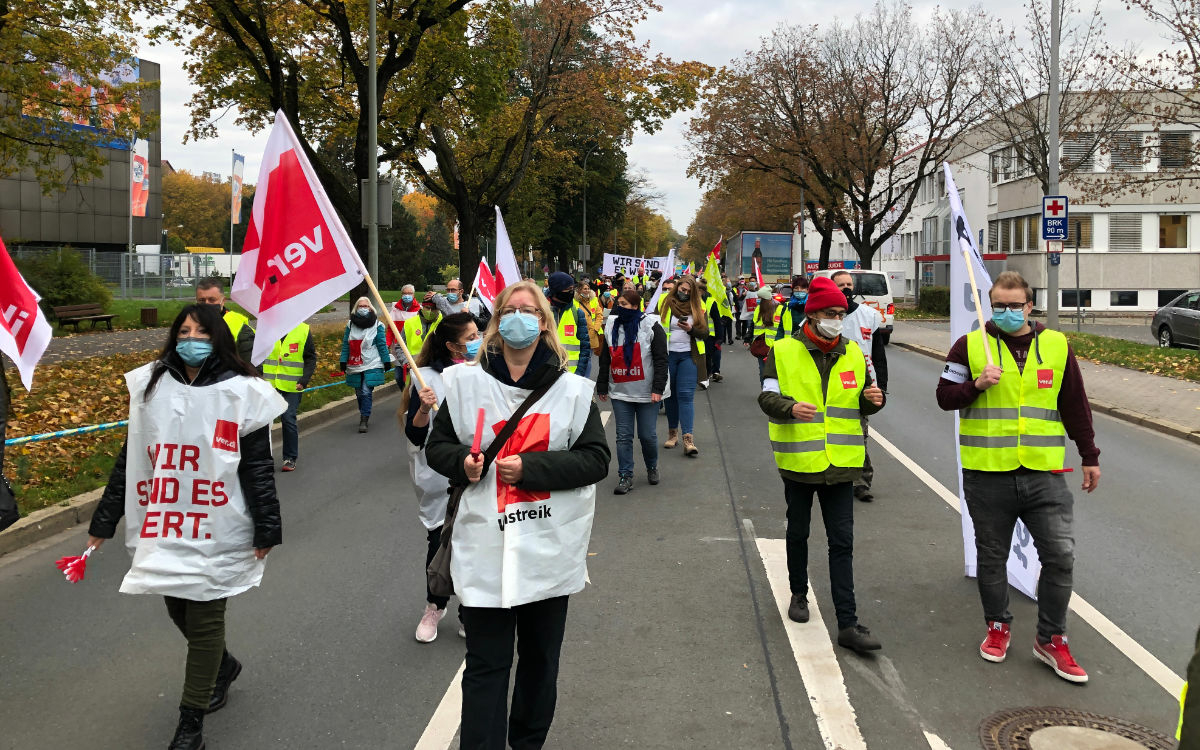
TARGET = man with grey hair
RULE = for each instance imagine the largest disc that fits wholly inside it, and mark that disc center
(454, 301)
(406, 307)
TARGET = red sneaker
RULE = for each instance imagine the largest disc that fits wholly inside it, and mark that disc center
(1058, 657)
(995, 647)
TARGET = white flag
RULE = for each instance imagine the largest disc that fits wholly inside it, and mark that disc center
(298, 257)
(1023, 564)
(652, 305)
(507, 270)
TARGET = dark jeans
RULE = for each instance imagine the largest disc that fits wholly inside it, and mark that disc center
(203, 624)
(727, 329)
(1041, 499)
(434, 539)
(868, 472)
(837, 511)
(537, 629)
(291, 434)
(364, 395)
(645, 415)
(712, 354)
(743, 328)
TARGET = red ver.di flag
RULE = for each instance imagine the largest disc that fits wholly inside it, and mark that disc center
(24, 332)
(139, 177)
(298, 257)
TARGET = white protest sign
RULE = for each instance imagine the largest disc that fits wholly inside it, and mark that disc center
(632, 264)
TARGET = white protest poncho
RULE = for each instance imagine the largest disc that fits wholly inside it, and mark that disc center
(513, 546)
(186, 521)
(433, 489)
(860, 327)
(632, 381)
(364, 355)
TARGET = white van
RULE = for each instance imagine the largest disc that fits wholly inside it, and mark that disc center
(871, 289)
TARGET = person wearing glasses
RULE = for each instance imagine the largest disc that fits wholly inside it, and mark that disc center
(1015, 417)
(519, 540)
(816, 388)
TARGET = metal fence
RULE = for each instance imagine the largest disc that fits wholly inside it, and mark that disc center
(144, 275)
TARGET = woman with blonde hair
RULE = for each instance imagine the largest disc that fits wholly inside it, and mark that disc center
(365, 356)
(519, 536)
(683, 320)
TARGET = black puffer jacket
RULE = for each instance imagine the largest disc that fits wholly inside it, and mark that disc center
(256, 470)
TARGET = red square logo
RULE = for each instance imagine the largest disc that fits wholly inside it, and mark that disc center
(1045, 378)
(568, 330)
(225, 436)
(849, 380)
(623, 372)
(866, 333)
(356, 356)
(294, 347)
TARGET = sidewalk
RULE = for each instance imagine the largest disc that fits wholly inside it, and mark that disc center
(1163, 404)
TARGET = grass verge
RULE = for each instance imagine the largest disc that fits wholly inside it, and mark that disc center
(1183, 364)
(912, 313)
(92, 391)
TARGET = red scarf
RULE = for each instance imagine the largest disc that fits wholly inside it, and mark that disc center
(824, 345)
(414, 307)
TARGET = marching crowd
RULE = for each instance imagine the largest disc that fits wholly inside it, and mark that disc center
(501, 426)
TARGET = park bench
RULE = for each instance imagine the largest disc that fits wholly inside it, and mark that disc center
(76, 314)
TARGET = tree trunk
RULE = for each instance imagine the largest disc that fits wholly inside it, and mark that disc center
(823, 253)
(469, 223)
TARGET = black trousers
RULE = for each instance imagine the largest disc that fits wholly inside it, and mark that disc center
(837, 511)
(537, 630)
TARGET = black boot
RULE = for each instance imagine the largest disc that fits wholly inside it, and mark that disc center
(362, 424)
(230, 669)
(188, 735)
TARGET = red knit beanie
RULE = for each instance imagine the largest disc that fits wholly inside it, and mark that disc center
(823, 293)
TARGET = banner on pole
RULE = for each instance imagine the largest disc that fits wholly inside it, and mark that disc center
(628, 264)
(668, 273)
(139, 177)
(235, 210)
(508, 272)
(1023, 564)
(24, 331)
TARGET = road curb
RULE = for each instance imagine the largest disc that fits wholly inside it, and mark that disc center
(1128, 415)
(47, 522)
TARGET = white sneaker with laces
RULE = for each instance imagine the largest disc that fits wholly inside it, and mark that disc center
(427, 628)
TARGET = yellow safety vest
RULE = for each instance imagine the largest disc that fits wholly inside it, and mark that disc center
(285, 367)
(1016, 422)
(666, 324)
(784, 318)
(414, 333)
(833, 437)
(235, 321)
(569, 337)
(762, 328)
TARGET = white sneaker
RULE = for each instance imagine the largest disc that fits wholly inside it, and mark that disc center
(427, 629)
(462, 630)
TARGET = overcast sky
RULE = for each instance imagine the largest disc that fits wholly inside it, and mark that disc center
(711, 31)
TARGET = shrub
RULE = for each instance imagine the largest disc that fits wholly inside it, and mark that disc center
(448, 272)
(63, 278)
(935, 299)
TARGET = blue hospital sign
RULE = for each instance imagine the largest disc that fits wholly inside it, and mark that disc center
(1054, 218)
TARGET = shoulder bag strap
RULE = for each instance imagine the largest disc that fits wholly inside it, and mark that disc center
(514, 421)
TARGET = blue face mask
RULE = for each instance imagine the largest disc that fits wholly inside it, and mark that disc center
(406, 299)
(1009, 321)
(519, 330)
(799, 297)
(193, 352)
(452, 297)
(473, 348)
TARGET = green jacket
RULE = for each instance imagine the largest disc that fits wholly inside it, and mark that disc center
(780, 406)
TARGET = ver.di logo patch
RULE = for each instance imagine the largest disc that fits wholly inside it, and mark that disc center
(849, 380)
(1045, 378)
(225, 436)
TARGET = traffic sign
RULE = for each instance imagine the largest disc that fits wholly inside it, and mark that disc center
(1055, 259)
(1054, 217)
(1054, 247)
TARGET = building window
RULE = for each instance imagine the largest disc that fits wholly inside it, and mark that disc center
(1175, 150)
(1125, 232)
(1078, 155)
(1128, 152)
(1069, 296)
(1085, 230)
(1019, 233)
(1167, 296)
(1123, 298)
(1005, 235)
(993, 237)
(1172, 231)
(1033, 236)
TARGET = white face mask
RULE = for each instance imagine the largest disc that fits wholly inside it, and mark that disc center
(829, 329)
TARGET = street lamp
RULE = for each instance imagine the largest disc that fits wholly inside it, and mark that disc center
(583, 248)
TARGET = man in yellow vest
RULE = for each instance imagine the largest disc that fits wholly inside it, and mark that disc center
(571, 321)
(210, 291)
(815, 390)
(415, 329)
(291, 365)
(1015, 417)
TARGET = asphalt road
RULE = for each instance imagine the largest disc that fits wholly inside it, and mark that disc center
(677, 642)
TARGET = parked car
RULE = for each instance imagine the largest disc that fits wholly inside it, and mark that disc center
(873, 290)
(179, 281)
(1177, 323)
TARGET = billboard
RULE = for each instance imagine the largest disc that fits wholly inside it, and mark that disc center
(86, 105)
(774, 249)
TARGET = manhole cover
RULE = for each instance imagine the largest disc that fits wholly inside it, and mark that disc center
(1052, 728)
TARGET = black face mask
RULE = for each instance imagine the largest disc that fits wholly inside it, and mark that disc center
(849, 294)
(682, 296)
(565, 298)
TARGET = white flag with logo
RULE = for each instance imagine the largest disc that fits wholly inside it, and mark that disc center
(1023, 564)
(507, 270)
(298, 257)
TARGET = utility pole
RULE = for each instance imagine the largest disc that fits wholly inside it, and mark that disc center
(1052, 158)
(372, 196)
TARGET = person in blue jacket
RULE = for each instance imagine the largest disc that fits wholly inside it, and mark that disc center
(365, 356)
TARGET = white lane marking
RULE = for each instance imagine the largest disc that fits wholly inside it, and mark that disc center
(1123, 642)
(813, 650)
(444, 724)
(935, 742)
(604, 415)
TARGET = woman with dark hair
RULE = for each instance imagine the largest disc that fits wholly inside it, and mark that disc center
(456, 339)
(195, 481)
(633, 357)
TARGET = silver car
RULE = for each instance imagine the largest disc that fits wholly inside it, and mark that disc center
(1178, 322)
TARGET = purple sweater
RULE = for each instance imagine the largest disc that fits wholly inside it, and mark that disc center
(958, 392)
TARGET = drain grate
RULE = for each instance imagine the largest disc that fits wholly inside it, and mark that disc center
(1012, 728)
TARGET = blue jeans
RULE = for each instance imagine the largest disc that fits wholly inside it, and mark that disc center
(646, 415)
(363, 393)
(681, 411)
(291, 435)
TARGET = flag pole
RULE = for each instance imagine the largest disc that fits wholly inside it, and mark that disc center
(987, 347)
(412, 362)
